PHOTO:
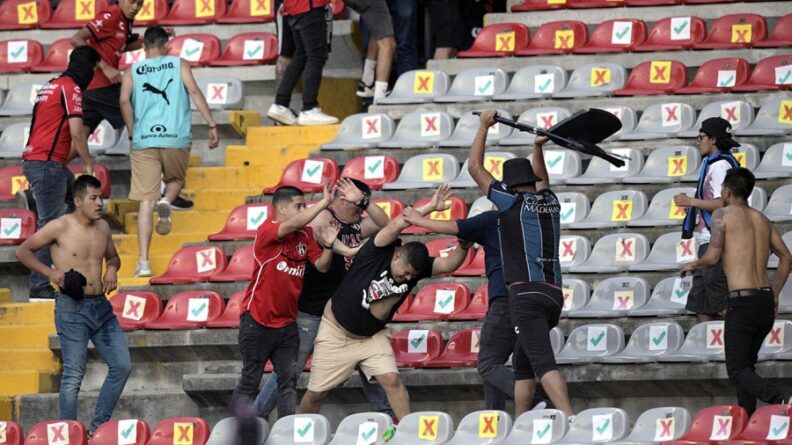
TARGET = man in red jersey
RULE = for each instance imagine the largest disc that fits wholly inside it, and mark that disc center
(56, 133)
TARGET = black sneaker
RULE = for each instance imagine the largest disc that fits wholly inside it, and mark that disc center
(364, 90)
(181, 204)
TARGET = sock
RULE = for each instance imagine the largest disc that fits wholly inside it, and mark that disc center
(369, 70)
(380, 89)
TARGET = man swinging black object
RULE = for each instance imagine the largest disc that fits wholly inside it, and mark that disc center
(580, 132)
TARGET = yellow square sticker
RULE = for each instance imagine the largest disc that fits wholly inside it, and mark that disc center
(742, 33)
(622, 210)
(564, 39)
(660, 72)
(19, 183)
(676, 213)
(504, 41)
(204, 8)
(677, 165)
(488, 425)
(427, 427)
(556, 2)
(739, 156)
(494, 165)
(424, 82)
(600, 76)
(86, 10)
(785, 112)
(182, 433)
(260, 8)
(433, 169)
(146, 11)
(27, 13)
(444, 215)
(386, 207)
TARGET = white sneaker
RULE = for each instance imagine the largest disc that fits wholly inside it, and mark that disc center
(143, 269)
(364, 90)
(282, 115)
(315, 116)
(164, 217)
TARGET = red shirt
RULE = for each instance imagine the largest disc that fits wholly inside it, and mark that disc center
(271, 296)
(50, 137)
(295, 7)
(110, 31)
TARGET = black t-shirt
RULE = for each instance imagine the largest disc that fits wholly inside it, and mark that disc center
(369, 281)
(318, 287)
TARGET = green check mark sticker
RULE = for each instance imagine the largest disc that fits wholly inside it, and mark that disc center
(727, 82)
(783, 80)
(483, 89)
(659, 339)
(777, 431)
(544, 86)
(252, 53)
(553, 162)
(366, 435)
(313, 171)
(567, 214)
(541, 433)
(191, 52)
(602, 428)
(596, 340)
(373, 167)
(256, 219)
(681, 292)
(621, 34)
(18, 52)
(446, 301)
(679, 29)
(197, 311)
(417, 341)
(128, 431)
(11, 229)
(789, 156)
(304, 430)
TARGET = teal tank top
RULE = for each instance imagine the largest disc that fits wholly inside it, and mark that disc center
(160, 104)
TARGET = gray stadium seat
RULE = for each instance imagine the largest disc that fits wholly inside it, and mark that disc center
(312, 429)
(779, 207)
(776, 162)
(747, 155)
(362, 130)
(468, 125)
(103, 137)
(614, 209)
(221, 92)
(13, 140)
(482, 427)
(480, 205)
(535, 117)
(576, 295)
(421, 129)
(225, 432)
(601, 171)
(582, 81)
(538, 426)
(772, 263)
(649, 341)
(658, 425)
(668, 164)
(573, 250)
(121, 147)
(424, 428)
(704, 343)
(20, 99)
(785, 299)
(493, 162)
(778, 343)
(574, 207)
(774, 117)
(475, 85)
(627, 117)
(424, 171)
(669, 252)
(556, 340)
(661, 121)
(758, 199)
(598, 425)
(561, 165)
(662, 210)
(614, 297)
(739, 113)
(362, 428)
(417, 86)
(615, 253)
(668, 298)
(533, 82)
(586, 343)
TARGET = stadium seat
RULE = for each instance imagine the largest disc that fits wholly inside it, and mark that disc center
(533, 82)
(424, 427)
(589, 342)
(615, 253)
(594, 80)
(668, 298)
(11, 180)
(442, 247)
(540, 117)
(655, 77)
(574, 207)
(493, 162)
(373, 170)
(12, 432)
(779, 207)
(768, 424)
(714, 424)
(136, 308)
(704, 342)
(362, 428)
(476, 267)
(189, 310)
(231, 314)
(662, 210)
(128, 432)
(598, 425)
(475, 85)
(770, 73)
(308, 175)
(434, 302)
(479, 303)
(187, 430)
(457, 211)
(462, 350)
(661, 121)
(310, 429)
(614, 209)
(226, 432)
(100, 172)
(556, 340)
(713, 1)
(562, 165)
(417, 86)
(576, 294)
(128, 58)
(758, 199)
(16, 225)
(555, 38)
(103, 137)
(739, 113)
(57, 57)
(221, 92)
(666, 165)
(421, 129)
(614, 36)
(414, 347)
(240, 266)
(362, 130)
(498, 40)
(73, 14)
(781, 35)
(772, 262)
(573, 250)
(423, 171)
(601, 171)
(669, 252)
(193, 264)
(746, 154)
(24, 14)
(479, 206)
(391, 207)
(627, 117)
(776, 162)
(151, 12)
(243, 221)
(121, 147)
(13, 140)
(20, 99)
(57, 431)
(538, 426)
(658, 425)
(539, 5)
(249, 11)
(482, 428)
(735, 31)
(190, 12)
(674, 33)
(197, 49)
(579, 4)
(785, 299)
(774, 117)
(718, 76)
(777, 344)
(649, 341)
(613, 298)
(400, 315)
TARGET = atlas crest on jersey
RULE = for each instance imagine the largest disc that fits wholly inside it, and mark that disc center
(302, 249)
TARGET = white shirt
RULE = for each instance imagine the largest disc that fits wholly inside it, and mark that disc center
(711, 190)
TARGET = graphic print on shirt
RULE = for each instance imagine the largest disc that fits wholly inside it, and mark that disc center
(147, 87)
(382, 288)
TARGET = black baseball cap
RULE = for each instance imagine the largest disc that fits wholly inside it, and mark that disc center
(519, 171)
(720, 129)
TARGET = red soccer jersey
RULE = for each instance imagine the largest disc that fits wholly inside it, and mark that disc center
(109, 33)
(50, 138)
(271, 296)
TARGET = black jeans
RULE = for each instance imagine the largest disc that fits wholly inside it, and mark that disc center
(496, 343)
(257, 344)
(310, 54)
(748, 321)
(535, 310)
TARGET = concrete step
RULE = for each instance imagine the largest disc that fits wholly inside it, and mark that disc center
(26, 382)
(158, 262)
(275, 156)
(189, 221)
(127, 244)
(282, 135)
(223, 200)
(28, 314)
(202, 178)
(39, 359)
(25, 336)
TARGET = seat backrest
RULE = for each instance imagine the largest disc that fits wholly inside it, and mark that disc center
(483, 82)
(622, 249)
(128, 431)
(600, 168)
(435, 168)
(11, 432)
(424, 428)
(544, 118)
(619, 293)
(418, 345)
(671, 162)
(660, 424)
(58, 54)
(57, 431)
(245, 219)
(661, 75)
(197, 261)
(618, 206)
(365, 127)
(722, 422)
(482, 427)
(13, 140)
(594, 340)
(74, 13)
(151, 12)
(738, 29)
(310, 429)
(373, 170)
(103, 137)
(309, 175)
(421, 84)
(194, 305)
(576, 294)
(227, 430)
(538, 79)
(426, 126)
(197, 49)
(778, 339)
(573, 250)
(705, 338)
(12, 180)
(458, 209)
(100, 172)
(598, 425)
(136, 306)
(682, 31)
(24, 14)
(671, 248)
(722, 73)
(621, 33)
(250, 10)
(362, 428)
(627, 116)
(777, 157)
(770, 422)
(775, 114)
(505, 38)
(493, 163)
(663, 207)
(602, 77)
(747, 154)
(574, 206)
(20, 99)
(441, 298)
(758, 199)
(222, 92)
(563, 35)
(479, 206)
(673, 291)
(653, 339)
(670, 117)
(764, 72)
(468, 125)
(538, 426)
(562, 164)
(780, 202)
(187, 11)
(187, 430)
(242, 260)
(391, 207)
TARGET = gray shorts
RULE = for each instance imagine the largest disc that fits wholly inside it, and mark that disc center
(375, 14)
(710, 289)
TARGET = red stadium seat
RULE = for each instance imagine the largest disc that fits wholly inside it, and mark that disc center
(473, 269)
(718, 76)
(189, 310)
(136, 308)
(185, 430)
(404, 308)
(16, 225)
(11, 180)
(13, 432)
(781, 36)
(653, 2)
(674, 33)
(24, 14)
(151, 12)
(193, 264)
(243, 221)
(413, 348)
(308, 175)
(760, 427)
(62, 431)
(57, 57)
(231, 314)
(249, 11)
(557, 38)
(735, 31)
(498, 40)
(375, 171)
(457, 211)
(539, 5)
(392, 207)
(712, 1)
(128, 58)
(655, 77)
(252, 48)
(194, 12)
(240, 267)
(764, 75)
(442, 247)
(595, 3)
(74, 13)
(19, 56)
(130, 429)
(339, 8)
(477, 309)
(100, 172)
(461, 350)
(435, 301)
(197, 49)
(614, 36)
(730, 422)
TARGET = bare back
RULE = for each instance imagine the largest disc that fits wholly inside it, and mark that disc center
(82, 248)
(746, 237)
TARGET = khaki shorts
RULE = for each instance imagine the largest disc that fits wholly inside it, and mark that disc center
(153, 165)
(336, 355)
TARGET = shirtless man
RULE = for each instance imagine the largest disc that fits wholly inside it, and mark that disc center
(752, 301)
(79, 242)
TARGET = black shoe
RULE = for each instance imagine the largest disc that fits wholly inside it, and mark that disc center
(181, 204)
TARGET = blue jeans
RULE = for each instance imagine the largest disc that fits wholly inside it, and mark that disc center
(51, 183)
(78, 321)
(308, 326)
